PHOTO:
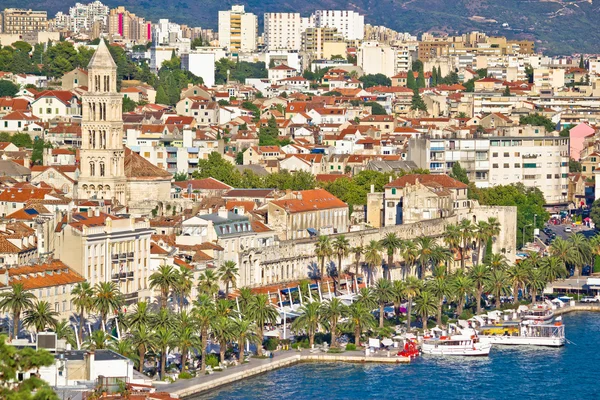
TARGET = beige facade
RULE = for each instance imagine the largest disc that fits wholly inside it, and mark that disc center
(102, 154)
(18, 21)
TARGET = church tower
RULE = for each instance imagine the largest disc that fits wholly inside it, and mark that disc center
(102, 155)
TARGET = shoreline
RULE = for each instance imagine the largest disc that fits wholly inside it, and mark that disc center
(195, 386)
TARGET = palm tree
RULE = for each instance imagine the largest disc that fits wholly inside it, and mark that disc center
(409, 253)
(536, 283)
(358, 252)
(40, 316)
(141, 316)
(582, 249)
(203, 312)
(462, 286)
(398, 294)
(16, 301)
(440, 255)
(413, 288)
(243, 329)
(164, 337)
(208, 283)
(228, 272)
(366, 296)
(143, 340)
(425, 248)
(341, 248)
(262, 312)
(372, 257)
(186, 338)
(466, 233)
(98, 340)
(553, 268)
(244, 298)
(497, 284)
(595, 245)
(564, 251)
(322, 251)
(83, 298)
(222, 331)
(441, 289)
(107, 299)
(183, 287)
(164, 318)
(481, 236)
(498, 262)
(517, 276)
(126, 349)
(479, 275)
(332, 311)
(308, 321)
(384, 294)
(359, 319)
(390, 242)
(164, 279)
(425, 305)
(64, 331)
(452, 237)
(492, 229)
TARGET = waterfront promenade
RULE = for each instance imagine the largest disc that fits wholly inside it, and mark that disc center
(188, 387)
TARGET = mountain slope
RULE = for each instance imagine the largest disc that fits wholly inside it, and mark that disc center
(558, 26)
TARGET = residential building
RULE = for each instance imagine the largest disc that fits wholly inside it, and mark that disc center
(56, 104)
(21, 22)
(323, 42)
(200, 63)
(128, 26)
(238, 30)
(298, 215)
(283, 31)
(376, 58)
(349, 23)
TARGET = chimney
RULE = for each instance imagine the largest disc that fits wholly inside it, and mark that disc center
(90, 212)
(96, 212)
(372, 188)
(223, 212)
(90, 364)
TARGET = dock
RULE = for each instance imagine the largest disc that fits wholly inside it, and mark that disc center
(589, 307)
(189, 387)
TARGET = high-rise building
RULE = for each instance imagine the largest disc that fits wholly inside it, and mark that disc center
(349, 23)
(320, 43)
(18, 21)
(238, 30)
(129, 26)
(102, 153)
(283, 31)
(83, 16)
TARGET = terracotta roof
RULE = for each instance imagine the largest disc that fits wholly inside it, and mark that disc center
(54, 273)
(20, 116)
(156, 249)
(425, 179)
(203, 184)
(82, 219)
(21, 195)
(14, 104)
(28, 213)
(282, 67)
(259, 227)
(63, 95)
(137, 167)
(248, 205)
(309, 200)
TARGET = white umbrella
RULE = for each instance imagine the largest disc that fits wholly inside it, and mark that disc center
(387, 342)
(272, 334)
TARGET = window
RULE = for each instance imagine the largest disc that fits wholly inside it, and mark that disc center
(494, 165)
(517, 165)
(548, 176)
(494, 154)
(583, 168)
(506, 154)
(517, 154)
(506, 165)
(393, 190)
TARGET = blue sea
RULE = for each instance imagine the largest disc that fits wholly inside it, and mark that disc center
(570, 372)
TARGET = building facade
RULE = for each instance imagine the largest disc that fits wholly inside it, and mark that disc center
(19, 22)
(238, 30)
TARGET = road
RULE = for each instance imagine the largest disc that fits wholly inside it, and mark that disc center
(560, 231)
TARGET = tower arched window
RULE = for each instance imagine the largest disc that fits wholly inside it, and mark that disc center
(97, 83)
(102, 169)
(92, 168)
(93, 139)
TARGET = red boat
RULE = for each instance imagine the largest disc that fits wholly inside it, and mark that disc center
(410, 350)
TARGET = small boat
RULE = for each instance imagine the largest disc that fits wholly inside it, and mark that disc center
(526, 333)
(456, 345)
(410, 349)
(539, 312)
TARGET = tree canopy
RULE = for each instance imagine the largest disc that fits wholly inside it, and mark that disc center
(238, 71)
(376, 108)
(370, 80)
(538, 120)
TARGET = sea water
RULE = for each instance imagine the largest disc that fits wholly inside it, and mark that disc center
(570, 372)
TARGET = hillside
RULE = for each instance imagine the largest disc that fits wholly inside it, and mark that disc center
(558, 26)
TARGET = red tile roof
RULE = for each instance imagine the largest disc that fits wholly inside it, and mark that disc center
(310, 200)
(203, 184)
(54, 273)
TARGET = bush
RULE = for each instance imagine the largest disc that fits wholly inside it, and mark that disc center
(184, 375)
(212, 360)
(444, 319)
(350, 347)
(466, 314)
(271, 344)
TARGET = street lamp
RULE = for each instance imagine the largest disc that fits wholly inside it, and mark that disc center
(525, 226)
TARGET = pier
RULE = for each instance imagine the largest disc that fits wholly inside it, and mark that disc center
(577, 307)
(189, 387)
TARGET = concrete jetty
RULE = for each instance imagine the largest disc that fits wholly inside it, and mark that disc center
(590, 307)
(189, 387)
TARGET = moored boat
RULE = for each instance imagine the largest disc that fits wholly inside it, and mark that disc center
(456, 345)
(539, 312)
(527, 333)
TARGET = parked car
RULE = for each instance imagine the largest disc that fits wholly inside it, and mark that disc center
(590, 299)
(568, 229)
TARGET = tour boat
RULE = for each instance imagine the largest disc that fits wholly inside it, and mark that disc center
(539, 312)
(456, 345)
(526, 333)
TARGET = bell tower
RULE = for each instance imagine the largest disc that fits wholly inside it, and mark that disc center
(102, 155)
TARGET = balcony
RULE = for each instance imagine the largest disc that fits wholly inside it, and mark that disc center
(122, 275)
(123, 255)
(172, 160)
(114, 256)
(530, 156)
(130, 255)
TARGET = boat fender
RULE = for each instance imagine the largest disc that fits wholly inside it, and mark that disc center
(557, 323)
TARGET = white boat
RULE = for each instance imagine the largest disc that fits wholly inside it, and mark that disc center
(456, 345)
(539, 312)
(526, 333)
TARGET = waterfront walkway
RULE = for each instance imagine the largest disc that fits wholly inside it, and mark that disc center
(256, 366)
(577, 307)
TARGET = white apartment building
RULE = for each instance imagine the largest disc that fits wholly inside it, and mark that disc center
(165, 33)
(200, 63)
(555, 78)
(349, 23)
(238, 30)
(522, 154)
(283, 31)
(377, 58)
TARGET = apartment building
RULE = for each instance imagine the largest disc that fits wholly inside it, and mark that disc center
(106, 248)
(129, 26)
(283, 31)
(349, 23)
(521, 154)
(238, 30)
(377, 58)
(322, 43)
(18, 21)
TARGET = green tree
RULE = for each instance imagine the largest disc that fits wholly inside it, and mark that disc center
(462, 286)
(40, 316)
(574, 166)
(83, 298)
(21, 139)
(197, 42)
(479, 274)
(373, 258)
(261, 311)
(538, 120)
(376, 108)
(459, 173)
(208, 283)
(16, 301)
(308, 321)
(128, 104)
(421, 79)
(384, 292)
(164, 279)
(37, 155)
(183, 285)
(243, 329)
(434, 77)
(341, 248)
(360, 318)
(204, 313)
(14, 361)
(425, 305)
(332, 312)
(64, 331)
(595, 212)
(228, 272)
(581, 62)
(161, 96)
(391, 243)
(413, 289)
(218, 168)
(411, 83)
(370, 80)
(186, 338)
(506, 92)
(7, 88)
(417, 65)
(498, 285)
(323, 250)
(164, 337)
(417, 102)
(441, 289)
(107, 299)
